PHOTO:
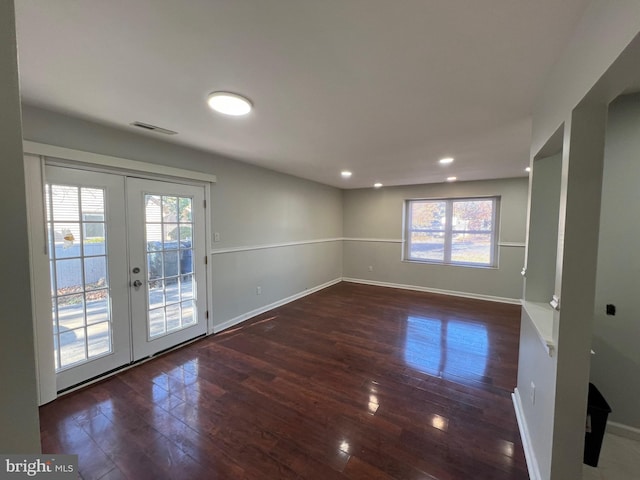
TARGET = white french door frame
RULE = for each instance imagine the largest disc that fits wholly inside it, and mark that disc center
(35, 155)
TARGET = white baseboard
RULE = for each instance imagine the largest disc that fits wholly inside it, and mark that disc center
(530, 456)
(246, 316)
(623, 430)
(475, 296)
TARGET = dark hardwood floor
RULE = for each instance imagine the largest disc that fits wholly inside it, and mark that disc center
(353, 382)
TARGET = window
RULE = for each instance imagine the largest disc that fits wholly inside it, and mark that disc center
(461, 231)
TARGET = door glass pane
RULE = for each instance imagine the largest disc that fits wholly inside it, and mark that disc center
(169, 209)
(98, 339)
(169, 230)
(97, 306)
(66, 237)
(187, 313)
(156, 294)
(156, 322)
(173, 317)
(65, 203)
(80, 294)
(186, 287)
(95, 272)
(73, 347)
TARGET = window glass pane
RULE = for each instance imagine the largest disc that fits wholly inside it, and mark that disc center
(427, 246)
(471, 248)
(428, 215)
(474, 215)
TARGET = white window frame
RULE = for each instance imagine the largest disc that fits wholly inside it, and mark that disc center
(449, 231)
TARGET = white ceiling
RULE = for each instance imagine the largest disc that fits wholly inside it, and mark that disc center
(381, 87)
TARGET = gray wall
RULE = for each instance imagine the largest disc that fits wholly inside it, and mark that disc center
(250, 206)
(615, 369)
(543, 230)
(19, 427)
(377, 214)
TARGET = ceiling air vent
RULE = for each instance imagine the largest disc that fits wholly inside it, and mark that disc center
(153, 128)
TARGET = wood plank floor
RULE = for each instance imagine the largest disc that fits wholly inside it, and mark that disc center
(353, 382)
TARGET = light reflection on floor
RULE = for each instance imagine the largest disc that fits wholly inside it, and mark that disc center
(450, 349)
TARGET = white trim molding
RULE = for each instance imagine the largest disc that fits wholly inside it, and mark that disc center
(529, 453)
(418, 288)
(98, 159)
(512, 244)
(218, 251)
(399, 240)
(246, 316)
(622, 430)
(374, 240)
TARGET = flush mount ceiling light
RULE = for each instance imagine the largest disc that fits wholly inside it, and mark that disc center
(377, 185)
(345, 174)
(446, 161)
(451, 179)
(229, 103)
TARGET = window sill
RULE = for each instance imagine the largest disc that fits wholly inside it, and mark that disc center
(463, 265)
(541, 315)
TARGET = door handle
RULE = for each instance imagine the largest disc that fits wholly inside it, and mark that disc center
(137, 283)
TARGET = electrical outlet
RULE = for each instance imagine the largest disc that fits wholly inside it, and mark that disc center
(258, 290)
(371, 268)
(533, 393)
(216, 237)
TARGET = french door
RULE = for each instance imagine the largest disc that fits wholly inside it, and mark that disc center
(126, 258)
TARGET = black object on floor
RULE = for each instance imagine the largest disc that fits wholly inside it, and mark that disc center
(597, 412)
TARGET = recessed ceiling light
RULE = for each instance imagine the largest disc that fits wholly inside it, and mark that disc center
(377, 185)
(345, 173)
(528, 169)
(446, 161)
(451, 179)
(229, 103)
